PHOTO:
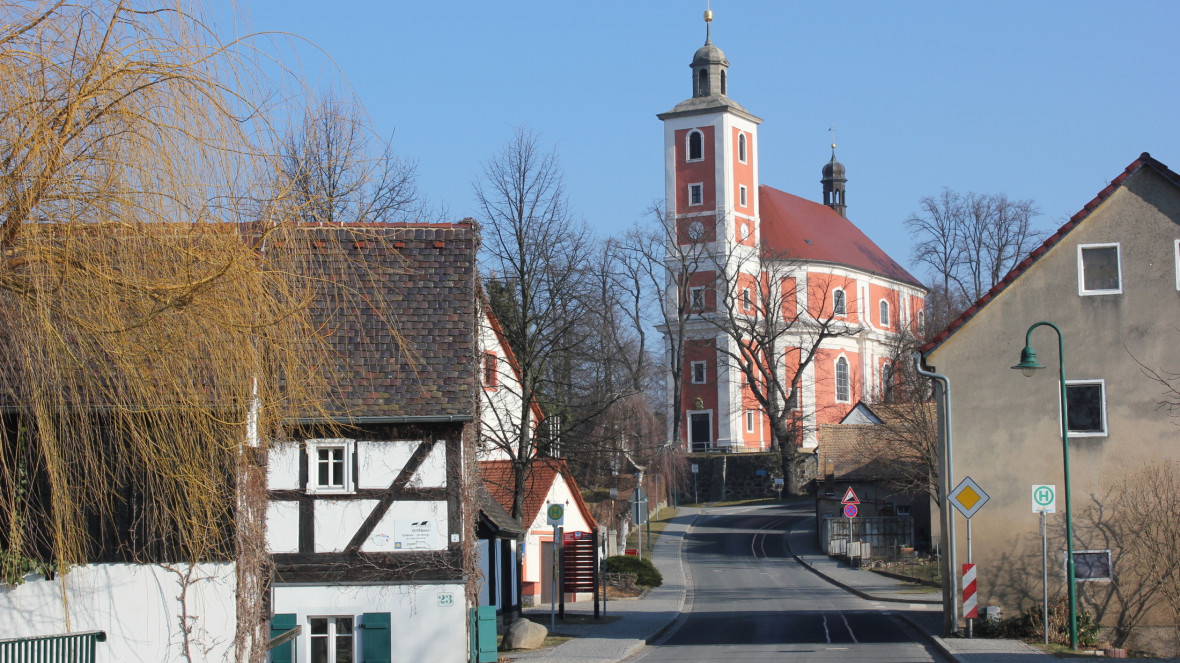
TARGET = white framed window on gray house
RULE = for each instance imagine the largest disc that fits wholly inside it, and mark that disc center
(696, 194)
(330, 466)
(699, 375)
(1100, 269)
(1176, 260)
(842, 387)
(1091, 565)
(839, 302)
(1086, 404)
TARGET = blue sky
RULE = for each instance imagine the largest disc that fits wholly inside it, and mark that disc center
(1041, 100)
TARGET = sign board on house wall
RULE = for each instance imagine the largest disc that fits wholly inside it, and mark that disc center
(415, 535)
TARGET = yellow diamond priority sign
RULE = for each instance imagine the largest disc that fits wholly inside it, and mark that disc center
(968, 497)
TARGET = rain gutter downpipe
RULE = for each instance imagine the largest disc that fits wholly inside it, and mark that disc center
(950, 577)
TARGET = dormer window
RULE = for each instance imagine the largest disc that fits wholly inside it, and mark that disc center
(696, 146)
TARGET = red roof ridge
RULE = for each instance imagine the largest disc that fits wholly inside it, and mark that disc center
(1144, 159)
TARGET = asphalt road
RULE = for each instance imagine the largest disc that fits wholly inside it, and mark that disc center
(751, 601)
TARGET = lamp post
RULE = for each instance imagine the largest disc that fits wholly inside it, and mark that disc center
(1029, 365)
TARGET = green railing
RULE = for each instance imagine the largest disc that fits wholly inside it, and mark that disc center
(63, 648)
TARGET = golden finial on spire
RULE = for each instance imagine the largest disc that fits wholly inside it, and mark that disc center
(708, 16)
(708, 24)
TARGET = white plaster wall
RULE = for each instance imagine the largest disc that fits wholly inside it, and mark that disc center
(500, 415)
(432, 473)
(388, 533)
(282, 466)
(282, 527)
(337, 520)
(422, 627)
(136, 604)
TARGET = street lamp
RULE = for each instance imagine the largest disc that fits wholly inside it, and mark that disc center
(1029, 365)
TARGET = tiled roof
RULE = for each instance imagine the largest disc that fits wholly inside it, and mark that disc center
(498, 477)
(1144, 160)
(799, 229)
(416, 281)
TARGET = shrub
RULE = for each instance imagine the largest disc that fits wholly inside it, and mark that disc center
(1027, 625)
(646, 574)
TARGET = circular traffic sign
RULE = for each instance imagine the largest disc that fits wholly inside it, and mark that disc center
(850, 510)
(556, 511)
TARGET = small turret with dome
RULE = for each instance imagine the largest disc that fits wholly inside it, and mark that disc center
(834, 181)
(710, 84)
(709, 66)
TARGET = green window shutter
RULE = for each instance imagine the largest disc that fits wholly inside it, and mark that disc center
(280, 624)
(376, 642)
(487, 634)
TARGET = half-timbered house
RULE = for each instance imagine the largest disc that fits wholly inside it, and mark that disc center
(370, 522)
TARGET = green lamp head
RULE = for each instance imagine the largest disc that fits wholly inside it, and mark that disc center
(1028, 361)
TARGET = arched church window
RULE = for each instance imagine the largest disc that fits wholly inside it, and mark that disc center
(722, 81)
(839, 303)
(742, 147)
(696, 146)
(703, 83)
(842, 380)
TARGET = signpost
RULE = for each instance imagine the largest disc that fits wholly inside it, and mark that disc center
(695, 469)
(968, 498)
(555, 513)
(850, 501)
(1044, 500)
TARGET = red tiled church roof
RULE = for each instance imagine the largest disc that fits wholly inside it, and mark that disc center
(497, 476)
(799, 229)
(1144, 160)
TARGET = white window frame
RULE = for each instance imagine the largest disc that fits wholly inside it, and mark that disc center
(688, 146)
(331, 635)
(747, 299)
(749, 421)
(884, 316)
(743, 147)
(847, 377)
(699, 187)
(1105, 432)
(692, 372)
(1176, 258)
(313, 467)
(743, 195)
(696, 298)
(843, 309)
(1082, 269)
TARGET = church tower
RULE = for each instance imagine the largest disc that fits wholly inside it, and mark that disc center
(711, 197)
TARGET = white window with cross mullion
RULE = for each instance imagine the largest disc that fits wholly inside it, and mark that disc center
(330, 466)
(332, 639)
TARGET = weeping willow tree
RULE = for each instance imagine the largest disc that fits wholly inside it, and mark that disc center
(154, 292)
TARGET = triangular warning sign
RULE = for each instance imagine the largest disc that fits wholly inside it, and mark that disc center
(850, 497)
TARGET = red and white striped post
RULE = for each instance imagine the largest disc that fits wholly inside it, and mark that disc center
(970, 606)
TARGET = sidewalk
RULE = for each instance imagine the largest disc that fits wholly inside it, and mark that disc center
(642, 620)
(646, 620)
(925, 603)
